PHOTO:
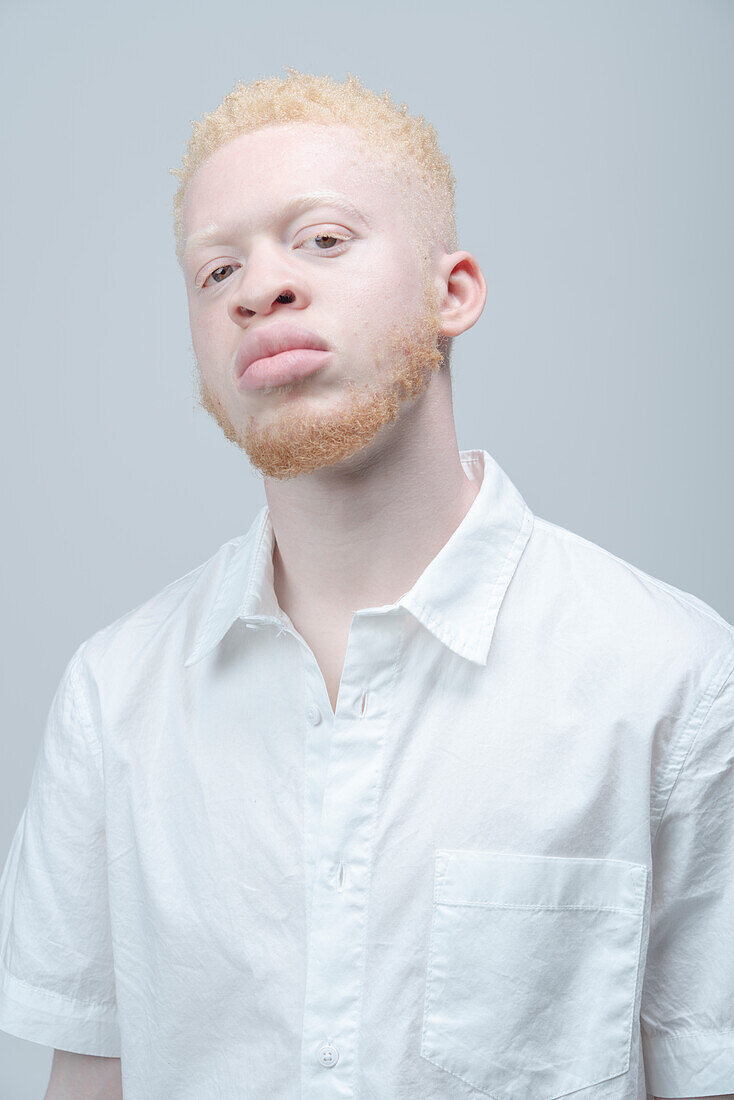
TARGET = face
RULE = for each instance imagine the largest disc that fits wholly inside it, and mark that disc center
(357, 278)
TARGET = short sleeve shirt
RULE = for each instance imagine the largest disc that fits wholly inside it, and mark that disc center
(503, 866)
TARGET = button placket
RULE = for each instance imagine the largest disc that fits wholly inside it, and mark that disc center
(353, 774)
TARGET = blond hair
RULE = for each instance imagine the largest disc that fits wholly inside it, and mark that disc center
(403, 141)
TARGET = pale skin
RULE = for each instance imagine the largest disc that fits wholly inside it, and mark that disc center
(363, 490)
(84, 1077)
(366, 513)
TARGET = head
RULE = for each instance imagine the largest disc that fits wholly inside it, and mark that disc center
(380, 281)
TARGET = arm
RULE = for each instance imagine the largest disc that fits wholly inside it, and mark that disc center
(84, 1077)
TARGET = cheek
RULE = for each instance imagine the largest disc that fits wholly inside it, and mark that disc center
(389, 286)
(404, 287)
(385, 300)
(206, 334)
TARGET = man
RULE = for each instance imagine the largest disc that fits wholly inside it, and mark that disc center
(406, 793)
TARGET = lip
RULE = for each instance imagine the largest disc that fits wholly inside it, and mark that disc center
(272, 340)
(283, 368)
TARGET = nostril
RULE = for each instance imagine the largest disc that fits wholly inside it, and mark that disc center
(288, 296)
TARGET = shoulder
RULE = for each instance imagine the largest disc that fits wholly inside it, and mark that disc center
(158, 628)
(619, 607)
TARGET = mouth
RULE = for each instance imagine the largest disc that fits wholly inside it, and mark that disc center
(282, 368)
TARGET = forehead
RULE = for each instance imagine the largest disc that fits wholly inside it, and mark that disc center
(256, 173)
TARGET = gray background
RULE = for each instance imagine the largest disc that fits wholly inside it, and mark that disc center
(591, 142)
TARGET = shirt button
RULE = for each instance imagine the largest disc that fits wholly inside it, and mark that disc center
(328, 1055)
(314, 715)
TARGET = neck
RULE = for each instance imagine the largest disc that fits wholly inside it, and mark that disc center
(360, 533)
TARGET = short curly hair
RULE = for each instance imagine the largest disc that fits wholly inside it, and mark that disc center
(400, 139)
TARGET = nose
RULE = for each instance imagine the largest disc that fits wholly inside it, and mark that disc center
(265, 283)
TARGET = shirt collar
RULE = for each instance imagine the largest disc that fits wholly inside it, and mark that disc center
(457, 596)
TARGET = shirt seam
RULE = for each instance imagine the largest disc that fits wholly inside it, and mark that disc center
(80, 704)
(107, 1005)
(715, 692)
(674, 1034)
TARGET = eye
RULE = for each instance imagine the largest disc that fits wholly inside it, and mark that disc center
(323, 240)
(216, 271)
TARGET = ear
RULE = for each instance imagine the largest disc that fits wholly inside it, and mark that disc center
(462, 290)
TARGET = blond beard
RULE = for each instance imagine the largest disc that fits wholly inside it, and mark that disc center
(297, 439)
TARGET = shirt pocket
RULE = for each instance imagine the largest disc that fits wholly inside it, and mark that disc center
(533, 970)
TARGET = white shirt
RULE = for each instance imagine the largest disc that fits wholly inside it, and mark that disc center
(504, 867)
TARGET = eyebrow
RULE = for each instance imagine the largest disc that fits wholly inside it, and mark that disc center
(214, 233)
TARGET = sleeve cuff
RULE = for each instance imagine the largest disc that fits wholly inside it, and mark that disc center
(56, 1021)
(697, 1063)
